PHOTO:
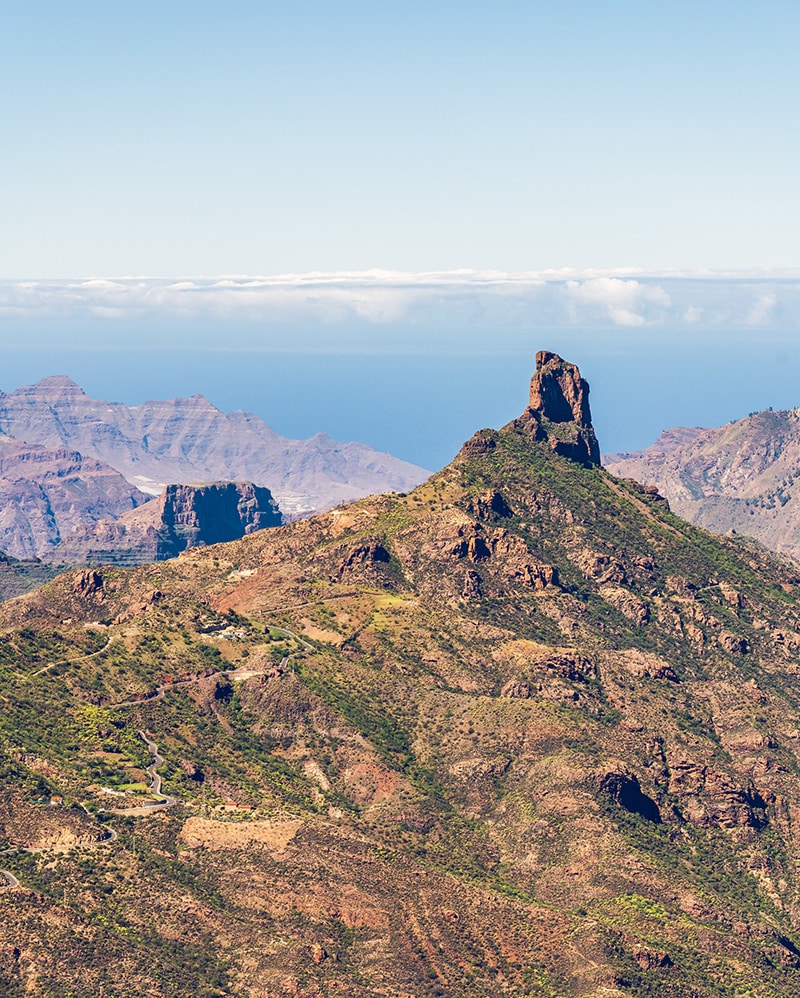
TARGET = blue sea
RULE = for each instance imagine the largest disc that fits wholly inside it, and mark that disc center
(413, 392)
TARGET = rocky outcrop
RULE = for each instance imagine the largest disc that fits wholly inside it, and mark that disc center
(650, 959)
(183, 516)
(559, 410)
(213, 514)
(624, 789)
(189, 440)
(712, 798)
(369, 553)
(558, 392)
(88, 583)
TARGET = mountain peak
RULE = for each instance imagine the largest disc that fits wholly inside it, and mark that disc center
(559, 409)
(558, 392)
(57, 385)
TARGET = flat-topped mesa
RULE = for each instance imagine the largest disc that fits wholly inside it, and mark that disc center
(184, 516)
(559, 409)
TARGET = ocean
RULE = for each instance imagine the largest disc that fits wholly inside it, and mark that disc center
(415, 393)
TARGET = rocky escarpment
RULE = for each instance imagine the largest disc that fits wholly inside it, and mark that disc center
(183, 516)
(215, 513)
(559, 409)
(744, 476)
(46, 494)
(189, 440)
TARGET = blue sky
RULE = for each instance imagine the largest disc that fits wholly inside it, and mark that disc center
(412, 198)
(200, 138)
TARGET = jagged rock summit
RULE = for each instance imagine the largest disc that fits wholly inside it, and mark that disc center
(558, 391)
(559, 409)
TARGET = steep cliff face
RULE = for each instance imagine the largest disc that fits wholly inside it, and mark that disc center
(183, 516)
(215, 513)
(189, 440)
(559, 409)
(47, 494)
(744, 476)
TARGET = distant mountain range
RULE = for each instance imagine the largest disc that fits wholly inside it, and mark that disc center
(183, 516)
(744, 476)
(68, 461)
(178, 441)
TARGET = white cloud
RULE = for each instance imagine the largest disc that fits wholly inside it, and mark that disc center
(529, 300)
(624, 317)
(692, 315)
(761, 310)
(627, 302)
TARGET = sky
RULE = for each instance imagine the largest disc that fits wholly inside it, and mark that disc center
(365, 218)
(271, 137)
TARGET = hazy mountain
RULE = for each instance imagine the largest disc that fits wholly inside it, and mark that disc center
(522, 731)
(47, 494)
(744, 476)
(189, 440)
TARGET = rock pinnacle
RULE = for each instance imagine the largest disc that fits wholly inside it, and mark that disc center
(559, 408)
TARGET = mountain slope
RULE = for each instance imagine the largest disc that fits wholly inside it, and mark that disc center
(522, 731)
(189, 440)
(739, 477)
(18, 576)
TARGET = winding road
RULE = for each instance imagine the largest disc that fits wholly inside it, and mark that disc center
(10, 879)
(164, 801)
(72, 661)
(154, 788)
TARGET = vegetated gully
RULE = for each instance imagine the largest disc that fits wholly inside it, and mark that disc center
(164, 801)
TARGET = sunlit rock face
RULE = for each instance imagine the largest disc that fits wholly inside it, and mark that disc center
(559, 410)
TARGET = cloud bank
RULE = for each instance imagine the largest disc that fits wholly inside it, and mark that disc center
(549, 299)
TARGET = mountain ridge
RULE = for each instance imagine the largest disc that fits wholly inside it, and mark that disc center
(189, 439)
(181, 517)
(741, 476)
(46, 494)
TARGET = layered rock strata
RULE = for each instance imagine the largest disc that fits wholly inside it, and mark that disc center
(47, 494)
(188, 440)
(183, 516)
(744, 476)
